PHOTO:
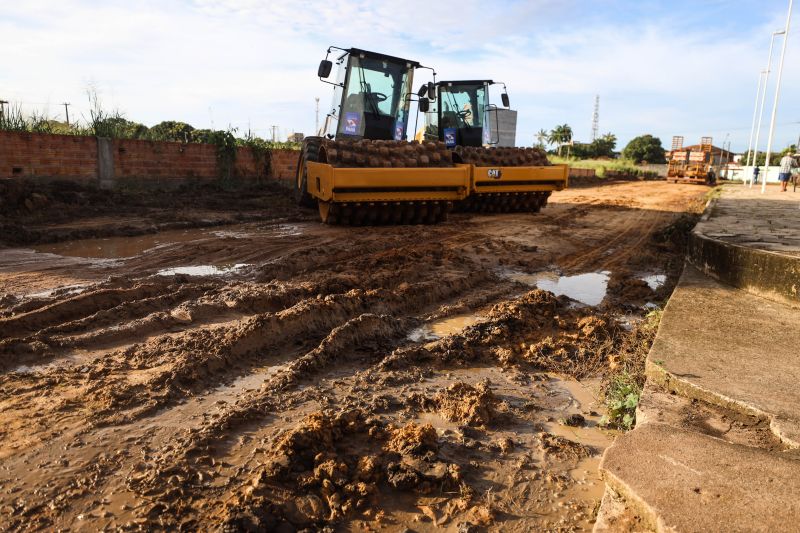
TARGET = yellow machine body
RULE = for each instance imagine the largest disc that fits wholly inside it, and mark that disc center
(334, 184)
(492, 180)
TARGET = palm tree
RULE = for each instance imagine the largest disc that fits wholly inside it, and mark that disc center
(542, 137)
(609, 138)
(561, 135)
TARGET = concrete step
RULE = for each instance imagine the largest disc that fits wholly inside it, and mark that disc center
(731, 348)
(682, 480)
(715, 447)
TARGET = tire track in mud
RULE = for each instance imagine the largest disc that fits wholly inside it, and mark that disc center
(74, 308)
(615, 251)
(197, 370)
(108, 389)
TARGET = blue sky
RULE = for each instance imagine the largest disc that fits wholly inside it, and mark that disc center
(667, 68)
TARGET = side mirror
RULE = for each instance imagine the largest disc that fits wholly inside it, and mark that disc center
(324, 69)
(431, 90)
(423, 90)
(504, 97)
(424, 105)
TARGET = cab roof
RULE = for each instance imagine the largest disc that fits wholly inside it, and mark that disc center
(464, 82)
(378, 55)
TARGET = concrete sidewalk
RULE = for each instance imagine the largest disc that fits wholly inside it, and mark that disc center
(746, 217)
(752, 241)
(718, 424)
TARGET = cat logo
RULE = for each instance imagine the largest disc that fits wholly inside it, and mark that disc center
(495, 173)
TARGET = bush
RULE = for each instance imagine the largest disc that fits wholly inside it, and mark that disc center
(645, 148)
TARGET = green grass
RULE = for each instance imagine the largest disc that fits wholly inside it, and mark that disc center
(599, 165)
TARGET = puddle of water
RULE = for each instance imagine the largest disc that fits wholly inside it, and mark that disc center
(442, 328)
(288, 230)
(589, 288)
(581, 397)
(119, 247)
(655, 281)
(202, 270)
(588, 485)
(122, 247)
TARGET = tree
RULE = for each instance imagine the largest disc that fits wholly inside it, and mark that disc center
(774, 158)
(600, 147)
(171, 130)
(604, 146)
(542, 138)
(560, 135)
(645, 148)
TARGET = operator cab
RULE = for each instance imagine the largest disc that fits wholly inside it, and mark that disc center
(372, 95)
(460, 114)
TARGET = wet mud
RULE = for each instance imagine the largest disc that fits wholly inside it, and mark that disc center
(290, 376)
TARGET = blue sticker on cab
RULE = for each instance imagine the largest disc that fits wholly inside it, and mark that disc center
(398, 131)
(352, 123)
(450, 137)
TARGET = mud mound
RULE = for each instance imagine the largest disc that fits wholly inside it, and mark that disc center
(25, 197)
(562, 448)
(33, 212)
(465, 404)
(332, 467)
(536, 329)
(413, 439)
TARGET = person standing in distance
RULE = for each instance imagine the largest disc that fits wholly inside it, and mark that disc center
(785, 173)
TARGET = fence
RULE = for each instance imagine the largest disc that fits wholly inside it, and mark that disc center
(111, 163)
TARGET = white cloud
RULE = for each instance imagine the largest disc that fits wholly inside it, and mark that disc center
(234, 61)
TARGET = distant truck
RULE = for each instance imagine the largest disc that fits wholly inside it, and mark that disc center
(691, 166)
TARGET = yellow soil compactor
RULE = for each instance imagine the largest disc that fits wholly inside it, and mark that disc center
(503, 178)
(360, 169)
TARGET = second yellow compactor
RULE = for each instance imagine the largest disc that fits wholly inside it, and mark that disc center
(361, 170)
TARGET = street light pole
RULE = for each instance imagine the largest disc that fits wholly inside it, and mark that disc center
(764, 95)
(777, 95)
(753, 125)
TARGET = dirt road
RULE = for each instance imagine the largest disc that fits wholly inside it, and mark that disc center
(285, 375)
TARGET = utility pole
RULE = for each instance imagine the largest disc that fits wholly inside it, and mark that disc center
(596, 118)
(317, 122)
(2, 110)
(66, 109)
(750, 155)
(274, 133)
(777, 95)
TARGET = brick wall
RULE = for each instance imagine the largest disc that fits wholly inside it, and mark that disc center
(135, 162)
(581, 172)
(163, 160)
(284, 166)
(52, 156)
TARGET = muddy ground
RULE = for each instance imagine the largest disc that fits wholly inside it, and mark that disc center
(283, 375)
